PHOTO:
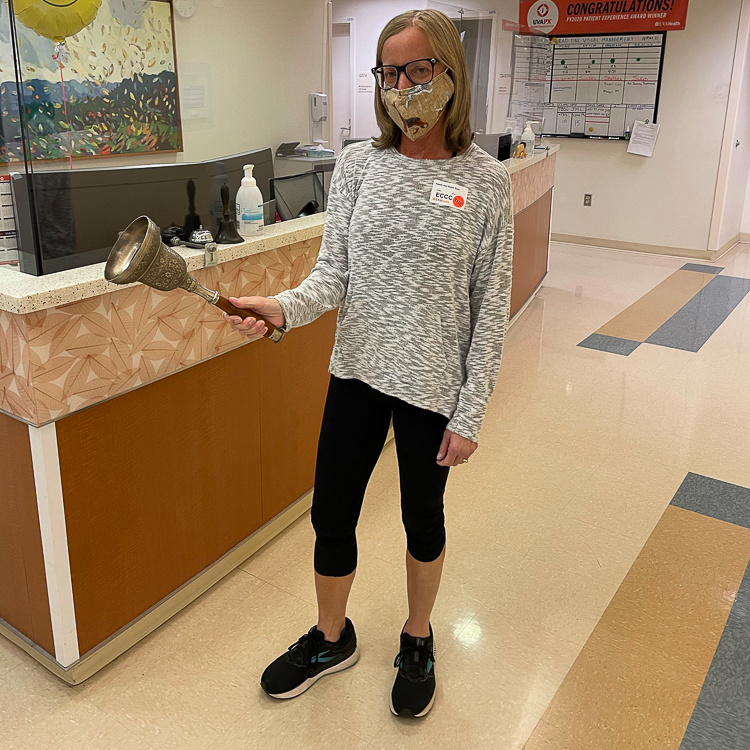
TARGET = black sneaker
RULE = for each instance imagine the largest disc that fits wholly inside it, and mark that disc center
(309, 659)
(414, 690)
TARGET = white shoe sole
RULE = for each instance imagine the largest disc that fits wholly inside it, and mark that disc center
(419, 715)
(350, 662)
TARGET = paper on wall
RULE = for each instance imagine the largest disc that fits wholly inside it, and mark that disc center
(365, 82)
(643, 138)
(194, 97)
(503, 84)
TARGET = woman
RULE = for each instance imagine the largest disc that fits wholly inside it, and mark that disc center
(417, 256)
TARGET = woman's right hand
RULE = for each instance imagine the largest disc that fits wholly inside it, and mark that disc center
(269, 308)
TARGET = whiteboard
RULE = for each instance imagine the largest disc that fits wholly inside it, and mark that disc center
(587, 86)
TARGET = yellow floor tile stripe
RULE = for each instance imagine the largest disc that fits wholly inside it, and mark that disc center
(655, 308)
(637, 679)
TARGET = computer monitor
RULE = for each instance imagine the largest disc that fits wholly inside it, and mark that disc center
(496, 144)
(295, 192)
(346, 141)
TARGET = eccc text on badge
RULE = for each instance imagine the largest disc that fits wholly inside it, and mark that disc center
(445, 194)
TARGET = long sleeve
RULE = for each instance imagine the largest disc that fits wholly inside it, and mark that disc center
(325, 287)
(490, 288)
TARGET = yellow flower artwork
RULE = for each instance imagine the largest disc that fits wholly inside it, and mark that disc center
(108, 88)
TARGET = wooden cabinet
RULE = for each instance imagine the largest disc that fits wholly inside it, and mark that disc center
(293, 386)
(531, 250)
(161, 482)
(24, 602)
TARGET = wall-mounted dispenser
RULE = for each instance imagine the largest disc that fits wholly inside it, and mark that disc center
(318, 115)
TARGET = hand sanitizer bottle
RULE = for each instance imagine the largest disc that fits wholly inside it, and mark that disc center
(529, 138)
(249, 205)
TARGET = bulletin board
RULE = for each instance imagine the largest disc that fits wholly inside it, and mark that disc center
(587, 86)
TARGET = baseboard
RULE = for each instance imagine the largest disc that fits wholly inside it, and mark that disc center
(635, 247)
(724, 249)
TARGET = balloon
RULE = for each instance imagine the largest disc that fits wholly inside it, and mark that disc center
(56, 19)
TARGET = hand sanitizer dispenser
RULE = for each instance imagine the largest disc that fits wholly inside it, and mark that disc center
(249, 205)
(318, 115)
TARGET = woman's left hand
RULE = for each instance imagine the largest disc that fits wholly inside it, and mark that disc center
(454, 449)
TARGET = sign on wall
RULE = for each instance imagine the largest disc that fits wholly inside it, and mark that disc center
(561, 17)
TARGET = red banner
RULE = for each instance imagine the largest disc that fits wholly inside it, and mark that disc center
(575, 17)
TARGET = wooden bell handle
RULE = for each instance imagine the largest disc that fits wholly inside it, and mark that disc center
(225, 199)
(191, 196)
(272, 333)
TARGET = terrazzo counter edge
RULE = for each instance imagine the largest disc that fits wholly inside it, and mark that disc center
(22, 293)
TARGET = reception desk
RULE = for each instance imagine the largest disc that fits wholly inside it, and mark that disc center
(148, 449)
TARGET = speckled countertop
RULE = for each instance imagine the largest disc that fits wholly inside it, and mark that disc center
(541, 153)
(21, 293)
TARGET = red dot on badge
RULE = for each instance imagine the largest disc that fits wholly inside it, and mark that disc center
(458, 201)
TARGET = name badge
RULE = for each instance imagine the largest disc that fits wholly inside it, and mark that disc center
(447, 194)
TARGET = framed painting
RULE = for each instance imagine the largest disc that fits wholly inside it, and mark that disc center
(109, 89)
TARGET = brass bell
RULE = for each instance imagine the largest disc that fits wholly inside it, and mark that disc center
(140, 255)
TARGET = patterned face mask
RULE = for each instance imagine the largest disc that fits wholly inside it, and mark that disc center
(417, 109)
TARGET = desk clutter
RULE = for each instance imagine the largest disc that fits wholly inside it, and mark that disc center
(311, 151)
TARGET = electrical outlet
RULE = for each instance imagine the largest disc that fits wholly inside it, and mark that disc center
(587, 199)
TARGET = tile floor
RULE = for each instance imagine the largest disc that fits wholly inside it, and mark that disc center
(581, 454)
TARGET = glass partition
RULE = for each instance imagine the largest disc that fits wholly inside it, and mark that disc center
(101, 123)
(476, 30)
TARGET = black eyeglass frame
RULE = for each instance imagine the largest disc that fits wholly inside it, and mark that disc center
(402, 69)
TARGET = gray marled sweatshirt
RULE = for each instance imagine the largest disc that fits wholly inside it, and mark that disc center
(423, 288)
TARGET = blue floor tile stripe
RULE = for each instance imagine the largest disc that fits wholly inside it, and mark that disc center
(691, 326)
(701, 268)
(711, 497)
(610, 344)
(721, 719)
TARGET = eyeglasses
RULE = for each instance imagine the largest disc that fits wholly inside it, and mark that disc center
(417, 71)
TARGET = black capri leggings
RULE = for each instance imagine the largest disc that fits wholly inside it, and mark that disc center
(354, 428)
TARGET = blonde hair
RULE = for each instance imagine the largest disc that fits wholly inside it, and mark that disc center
(446, 44)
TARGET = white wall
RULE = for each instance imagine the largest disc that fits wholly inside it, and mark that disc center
(666, 200)
(746, 215)
(261, 59)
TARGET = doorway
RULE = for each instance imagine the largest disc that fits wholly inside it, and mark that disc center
(343, 83)
(476, 28)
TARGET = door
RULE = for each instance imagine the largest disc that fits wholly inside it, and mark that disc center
(476, 36)
(343, 77)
